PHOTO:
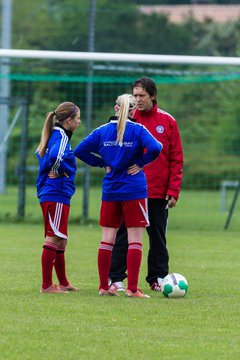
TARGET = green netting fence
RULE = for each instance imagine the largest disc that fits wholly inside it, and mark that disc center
(205, 103)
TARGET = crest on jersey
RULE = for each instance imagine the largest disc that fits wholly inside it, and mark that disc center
(160, 129)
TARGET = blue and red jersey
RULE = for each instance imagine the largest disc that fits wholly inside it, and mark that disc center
(101, 149)
(60, 159)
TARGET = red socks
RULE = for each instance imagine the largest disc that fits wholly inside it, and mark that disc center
(134, 258)
(48, 258)
(104, 262)
(60, 268)
(53, 256)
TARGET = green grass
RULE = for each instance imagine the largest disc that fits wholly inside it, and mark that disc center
(203, 325)
(195, 211)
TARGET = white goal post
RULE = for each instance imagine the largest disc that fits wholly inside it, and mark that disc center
(119, 57)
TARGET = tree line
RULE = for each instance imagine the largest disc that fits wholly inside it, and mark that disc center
(119, 27)
(207, 111)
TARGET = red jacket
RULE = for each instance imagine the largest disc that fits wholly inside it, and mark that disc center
(164, 175)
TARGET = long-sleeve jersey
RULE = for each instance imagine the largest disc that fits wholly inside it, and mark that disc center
(101, 149)
(60, 159)
(164, 175)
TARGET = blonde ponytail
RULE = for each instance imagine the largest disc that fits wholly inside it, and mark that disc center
(125, 103)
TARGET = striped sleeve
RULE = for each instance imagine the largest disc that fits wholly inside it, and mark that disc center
(57, 154)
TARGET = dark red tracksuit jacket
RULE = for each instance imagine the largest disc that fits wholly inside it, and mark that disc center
(164, 175)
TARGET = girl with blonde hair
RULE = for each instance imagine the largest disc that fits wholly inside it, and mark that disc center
(122, 147)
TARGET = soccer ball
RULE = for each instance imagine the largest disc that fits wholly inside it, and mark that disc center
(174, 286)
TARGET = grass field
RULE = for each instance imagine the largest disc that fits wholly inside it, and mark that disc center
(203, 325)
(195, 211)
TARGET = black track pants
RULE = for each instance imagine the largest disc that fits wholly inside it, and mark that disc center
(119, 256)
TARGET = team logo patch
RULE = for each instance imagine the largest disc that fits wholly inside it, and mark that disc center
(160, 129)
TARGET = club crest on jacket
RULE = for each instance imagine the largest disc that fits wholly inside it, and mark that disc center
(160, 129)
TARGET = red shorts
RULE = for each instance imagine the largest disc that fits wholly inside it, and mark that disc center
(55, 217)
(134, 213)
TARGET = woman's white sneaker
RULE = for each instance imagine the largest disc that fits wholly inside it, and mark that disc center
(117, 286)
